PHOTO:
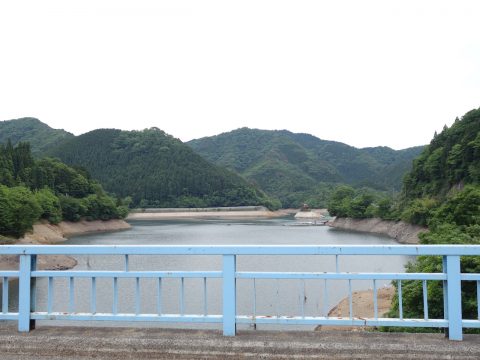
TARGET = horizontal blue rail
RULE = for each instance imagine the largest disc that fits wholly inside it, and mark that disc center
(27, 274)
(414, 250)
(340, 276)
(129, 274)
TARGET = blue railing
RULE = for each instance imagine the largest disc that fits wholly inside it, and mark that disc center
(28, 274)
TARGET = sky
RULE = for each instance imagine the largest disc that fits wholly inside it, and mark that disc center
(366, 73)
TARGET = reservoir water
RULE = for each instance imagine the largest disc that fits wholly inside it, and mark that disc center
(272, 296)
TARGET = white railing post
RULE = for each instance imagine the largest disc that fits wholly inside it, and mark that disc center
(24, 293)
(454, 297)
(229, 295)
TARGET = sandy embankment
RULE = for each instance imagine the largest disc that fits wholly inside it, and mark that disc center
(401, 231)
(45, 233)
(362, 306)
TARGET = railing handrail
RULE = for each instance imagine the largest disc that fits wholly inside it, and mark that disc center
(409, 250)
(451, 276)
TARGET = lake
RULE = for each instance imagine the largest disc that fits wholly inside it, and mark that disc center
(273, 296)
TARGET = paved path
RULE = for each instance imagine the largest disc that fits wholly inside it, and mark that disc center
(54, 343)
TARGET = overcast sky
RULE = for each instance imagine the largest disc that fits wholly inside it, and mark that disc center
(366, 73)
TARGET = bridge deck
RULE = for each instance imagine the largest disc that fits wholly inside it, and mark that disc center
(66, 343)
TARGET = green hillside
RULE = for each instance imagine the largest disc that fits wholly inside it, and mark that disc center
(40, 136)
(292, 166)
(155, 169)
(31, 190)
(451, 160)
(442, 191)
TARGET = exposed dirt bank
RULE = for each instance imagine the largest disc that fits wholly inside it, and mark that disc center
(362, 306)
(45, 233)
(311, 214)
(401, 231)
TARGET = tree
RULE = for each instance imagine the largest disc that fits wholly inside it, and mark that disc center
(18, 210)
(49, 204)
(339, 204)
(419, 211)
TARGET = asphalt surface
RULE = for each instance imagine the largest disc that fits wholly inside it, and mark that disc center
(67, 343)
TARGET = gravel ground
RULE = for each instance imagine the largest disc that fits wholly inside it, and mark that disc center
(152, 343)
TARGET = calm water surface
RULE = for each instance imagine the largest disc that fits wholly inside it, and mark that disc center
(272, 296)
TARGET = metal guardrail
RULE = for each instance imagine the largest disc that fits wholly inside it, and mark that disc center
(28, 274)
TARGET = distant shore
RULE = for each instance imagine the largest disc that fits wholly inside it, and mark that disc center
(46, 234)
(240, 212)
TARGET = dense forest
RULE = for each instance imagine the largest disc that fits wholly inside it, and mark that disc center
(31, 190)
(291, 169)
(157, 170)
(40, 136)
(298, 168)
(442, 192)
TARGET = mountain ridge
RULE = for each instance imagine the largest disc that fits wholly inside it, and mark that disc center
(282, 162)
(162, 171)
(293, 167)
(41, 136)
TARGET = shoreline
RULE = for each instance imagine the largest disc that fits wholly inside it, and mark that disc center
(45, 233)
(400, 231)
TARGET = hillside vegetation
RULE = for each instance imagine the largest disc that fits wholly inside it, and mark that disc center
(156, 170)
(450, 161)
(31, 190)
(299, 168)
(40, 136)
(442, 191)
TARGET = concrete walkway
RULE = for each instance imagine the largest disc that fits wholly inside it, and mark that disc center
(66, 343)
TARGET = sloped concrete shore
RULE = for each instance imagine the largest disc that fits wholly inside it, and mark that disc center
(239, 212)
(401, 231)
(134, 343)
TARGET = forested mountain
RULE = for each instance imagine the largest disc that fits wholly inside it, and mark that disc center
(155, 169)
(451, 160)
(40, 136)
(293, 166)
(442, 191)
(47, 189)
